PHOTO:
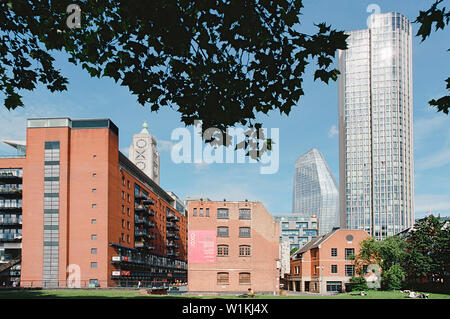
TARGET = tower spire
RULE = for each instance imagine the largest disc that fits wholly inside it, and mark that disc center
(144, 128)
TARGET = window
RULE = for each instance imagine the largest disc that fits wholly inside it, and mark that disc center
(244, 250)
(223, 278)
(222, 213)
(333, 252)
(244, 214)
(128, 211)
(123, 195)
(93, 251)
(123, 209)
(94, 174)
(334, 269)
(93, 221)
(222, 231)
(93, 265)
(207, 212)
(244, 232)
(195, 212)
(128, 225)
(128, 238)
(94, 237)
(349, 253)
(201, 212)
(297, 270)
(94, 190)
(123, 223)
(244, 278)
(222, 250)
(349, 270)
(94, 205)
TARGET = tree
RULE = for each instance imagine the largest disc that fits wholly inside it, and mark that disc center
(393, 278)
(221, 62)
(389, 254)
(429, 251)
(385, 253)
(358, 283)
(426, 19)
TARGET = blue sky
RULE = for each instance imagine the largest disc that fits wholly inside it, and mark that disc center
(313, 123)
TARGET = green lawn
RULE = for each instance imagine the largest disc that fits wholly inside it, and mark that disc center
(129, 293)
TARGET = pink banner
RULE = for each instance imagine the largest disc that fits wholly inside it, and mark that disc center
(202, 246)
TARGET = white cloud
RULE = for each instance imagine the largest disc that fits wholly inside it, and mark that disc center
(437, 204)
(426, 128)
(200, 166)
(434, 160)
(333, 131)
(164, 145)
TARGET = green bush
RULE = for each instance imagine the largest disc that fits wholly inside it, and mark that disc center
(392, 279)
(358, 283)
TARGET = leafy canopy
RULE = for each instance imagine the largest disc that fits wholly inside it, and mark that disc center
(218, 61)
(426, 19)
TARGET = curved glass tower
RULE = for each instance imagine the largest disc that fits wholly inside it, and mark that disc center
(315, 191)
(376, 127)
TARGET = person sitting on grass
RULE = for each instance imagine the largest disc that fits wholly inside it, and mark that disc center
(249, 294)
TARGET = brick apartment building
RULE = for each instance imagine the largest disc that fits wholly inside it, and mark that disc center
(325, 263)
(89, 213)
(233, 246)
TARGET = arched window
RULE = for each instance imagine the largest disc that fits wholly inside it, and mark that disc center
(244, 250)
(244, 278)
(222, 250)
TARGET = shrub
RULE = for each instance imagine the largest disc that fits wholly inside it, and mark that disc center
(392, 279)
(358, 283)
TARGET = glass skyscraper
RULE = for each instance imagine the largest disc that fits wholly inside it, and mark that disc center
(315, 191)
(376, 127)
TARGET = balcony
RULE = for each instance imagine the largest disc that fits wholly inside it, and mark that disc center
(10, 238)
(140, 233)
(172, 245)
(173, 254)
(11, 177)
(140, 197)
(140, 221)
(10, 221)
(148, 202)
(11, 208)
(10, 192)
(140, 209)
(141, 244)
(172, 235)
(171, 225)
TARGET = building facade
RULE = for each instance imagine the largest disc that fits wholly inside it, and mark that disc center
(376, 127)
(233, 246)
(315, 191)
(295, 232)
(11, 187)
(325, 264)
(90, 216)
(143, 152)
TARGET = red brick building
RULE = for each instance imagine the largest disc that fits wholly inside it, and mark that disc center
(325, 263)
(233, 246)
(89, 214)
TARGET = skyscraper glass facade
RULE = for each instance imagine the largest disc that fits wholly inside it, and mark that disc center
(375, 127)
(316, 191)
